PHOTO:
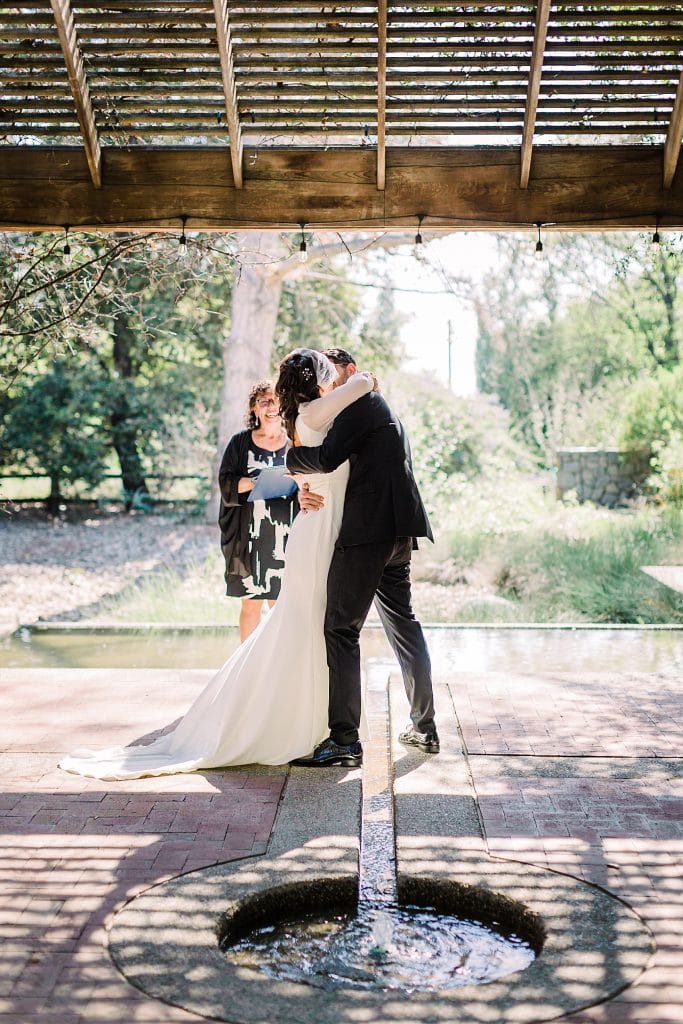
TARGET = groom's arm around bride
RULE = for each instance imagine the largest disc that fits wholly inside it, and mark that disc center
(383, 513)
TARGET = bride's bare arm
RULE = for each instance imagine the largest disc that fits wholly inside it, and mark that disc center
(318, 413)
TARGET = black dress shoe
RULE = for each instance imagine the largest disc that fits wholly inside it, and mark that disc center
(427, 740)
(330, 754)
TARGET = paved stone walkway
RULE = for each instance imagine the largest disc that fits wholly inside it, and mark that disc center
(584, 775)
(578, 773)
(75, 850)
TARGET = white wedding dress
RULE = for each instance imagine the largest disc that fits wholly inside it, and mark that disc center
(268, 703)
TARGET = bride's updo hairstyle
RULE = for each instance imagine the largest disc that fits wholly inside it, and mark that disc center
(302, 372)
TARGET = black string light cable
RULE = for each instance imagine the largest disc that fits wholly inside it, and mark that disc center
(445, 222)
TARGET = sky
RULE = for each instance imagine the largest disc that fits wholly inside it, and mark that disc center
(426, 331)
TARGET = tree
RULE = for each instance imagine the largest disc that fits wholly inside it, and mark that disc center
(557, 340)
(51, 428)
(151, 330)
(267, 261)
(157, 327)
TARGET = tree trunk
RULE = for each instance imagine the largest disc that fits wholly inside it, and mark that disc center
(248, 349)
(54, 498)
(267, 263)
(123, 418)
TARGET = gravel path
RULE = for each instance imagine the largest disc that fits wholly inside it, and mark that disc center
(52, 570)
(65, 570)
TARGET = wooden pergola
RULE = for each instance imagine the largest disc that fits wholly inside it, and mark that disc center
(272, 114)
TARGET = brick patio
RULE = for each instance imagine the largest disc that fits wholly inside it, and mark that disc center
(578, 773)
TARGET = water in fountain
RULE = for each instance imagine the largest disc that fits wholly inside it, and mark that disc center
(381, 944)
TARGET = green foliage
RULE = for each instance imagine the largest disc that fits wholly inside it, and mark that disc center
(653, 409)
(561, 343)
(552, 563)
(148, 329)
(653, 417)
(444, 440)
(151, 329)
(316, 314)
(52, 426)
(377, 346)
(598, 577)
(328, 312)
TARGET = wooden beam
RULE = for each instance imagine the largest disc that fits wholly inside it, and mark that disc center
(533, 89)
(672, 146)
(68, 40)
(576, 188)
(381, 92)
(224, 36)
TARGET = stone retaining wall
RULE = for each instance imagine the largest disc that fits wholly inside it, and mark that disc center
(606, 476)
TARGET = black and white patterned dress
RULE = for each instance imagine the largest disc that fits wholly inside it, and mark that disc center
(268, 531)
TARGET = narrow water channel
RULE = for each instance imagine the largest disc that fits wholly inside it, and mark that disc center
(381, 945)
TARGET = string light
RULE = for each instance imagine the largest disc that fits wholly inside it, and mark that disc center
(303, 248)
(182, 241)
(538, 251)
(418, 248)
(67, 248)
(656, 240)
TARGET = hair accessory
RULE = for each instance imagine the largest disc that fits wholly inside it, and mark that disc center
(325, 372)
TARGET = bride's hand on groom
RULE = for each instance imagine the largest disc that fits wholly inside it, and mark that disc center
(371, 377)
(309, 501)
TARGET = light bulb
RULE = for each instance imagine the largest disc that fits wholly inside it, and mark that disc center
(418, 248)
(182, 241)
(66, 251)
(303, 251)
(656, 242)
(538, 251)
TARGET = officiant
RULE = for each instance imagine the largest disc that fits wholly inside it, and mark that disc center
(254, 529)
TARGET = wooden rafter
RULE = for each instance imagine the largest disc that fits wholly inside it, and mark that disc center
(224, 35)
(533, 88)
(672, 146)
(608, 187)
(381, 92)
(66, 30)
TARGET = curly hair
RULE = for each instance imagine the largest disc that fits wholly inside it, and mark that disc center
(296, 383)
(255, 392)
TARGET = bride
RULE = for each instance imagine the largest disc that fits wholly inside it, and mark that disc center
(268, 703)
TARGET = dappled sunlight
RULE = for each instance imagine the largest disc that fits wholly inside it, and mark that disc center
(84, 860)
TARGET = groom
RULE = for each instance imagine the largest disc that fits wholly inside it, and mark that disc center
(383, 513)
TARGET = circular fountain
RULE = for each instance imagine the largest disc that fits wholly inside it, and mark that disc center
(314, 932)
(336, 943)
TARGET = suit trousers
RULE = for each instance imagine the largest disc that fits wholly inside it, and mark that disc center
(359, 574)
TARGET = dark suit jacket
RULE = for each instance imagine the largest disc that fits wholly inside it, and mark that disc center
(382, 499)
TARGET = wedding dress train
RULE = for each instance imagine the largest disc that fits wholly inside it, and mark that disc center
(268, 703)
